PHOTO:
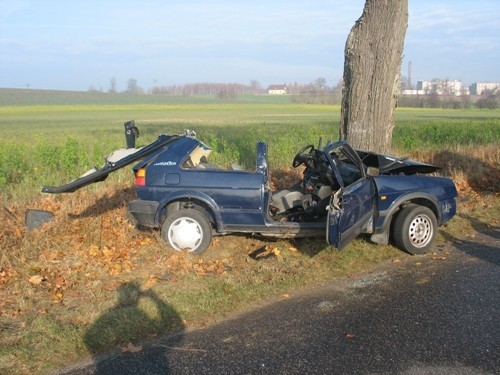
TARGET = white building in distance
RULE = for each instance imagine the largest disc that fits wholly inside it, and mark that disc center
(479, 88)
(452, 88)
(277, 90)
(448, 88)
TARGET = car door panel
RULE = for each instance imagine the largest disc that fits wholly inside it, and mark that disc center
(350, 210)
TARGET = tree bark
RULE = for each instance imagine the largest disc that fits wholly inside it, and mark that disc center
(373, 56)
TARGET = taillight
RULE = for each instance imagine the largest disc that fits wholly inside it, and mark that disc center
(140, 177)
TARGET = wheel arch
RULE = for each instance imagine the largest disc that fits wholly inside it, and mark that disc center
(194, 200)
(433, 206)
(382, 233)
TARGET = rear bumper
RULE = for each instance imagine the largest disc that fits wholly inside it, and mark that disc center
(143, 213)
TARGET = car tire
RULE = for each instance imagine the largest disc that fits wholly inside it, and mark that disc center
(187, 230)
(415, 229)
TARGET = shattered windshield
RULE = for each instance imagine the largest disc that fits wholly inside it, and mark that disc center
(346, 164)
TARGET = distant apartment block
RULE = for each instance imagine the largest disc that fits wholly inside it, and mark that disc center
(482, 87)
(449, 88)
(452, 88)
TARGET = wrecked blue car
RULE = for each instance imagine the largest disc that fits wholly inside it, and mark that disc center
(342, 194)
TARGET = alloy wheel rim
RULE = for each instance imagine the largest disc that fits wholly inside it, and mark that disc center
(420, 231)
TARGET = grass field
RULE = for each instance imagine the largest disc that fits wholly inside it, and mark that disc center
(90, 271)
(47, 143)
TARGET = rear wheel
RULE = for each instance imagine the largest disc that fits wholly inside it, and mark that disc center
(415, 229)
(187, 230)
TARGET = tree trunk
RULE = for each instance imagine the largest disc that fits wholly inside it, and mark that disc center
(373, 55)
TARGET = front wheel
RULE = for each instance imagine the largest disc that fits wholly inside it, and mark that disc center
(415, 229)
(187, 230)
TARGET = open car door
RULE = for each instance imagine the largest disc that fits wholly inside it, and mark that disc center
(352, 206)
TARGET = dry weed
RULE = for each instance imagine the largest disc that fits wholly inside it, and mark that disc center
(474, 169)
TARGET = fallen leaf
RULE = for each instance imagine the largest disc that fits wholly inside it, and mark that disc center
(58, 296)
(94, 250)
(423, 280)
(131, 348)
(60, 281)
(264, 252)
(36, 280)
(6, 275)
(17, 232)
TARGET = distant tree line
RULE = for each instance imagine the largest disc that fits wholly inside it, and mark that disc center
(489, 100)
(219, 90)
(316, 92)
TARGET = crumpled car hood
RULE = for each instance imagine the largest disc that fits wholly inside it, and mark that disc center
(393, 165)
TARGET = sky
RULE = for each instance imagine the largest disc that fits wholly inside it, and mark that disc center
(82, 45)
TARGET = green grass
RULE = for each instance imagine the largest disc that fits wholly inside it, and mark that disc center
(22, 97)
(51, 144)
(435, 128)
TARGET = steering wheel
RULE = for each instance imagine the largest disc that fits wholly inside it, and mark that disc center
(301, 158)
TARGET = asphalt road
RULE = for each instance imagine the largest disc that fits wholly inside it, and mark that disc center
(434, 314)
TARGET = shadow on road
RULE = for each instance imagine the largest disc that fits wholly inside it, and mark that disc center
(137, 315)
(485, 245)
